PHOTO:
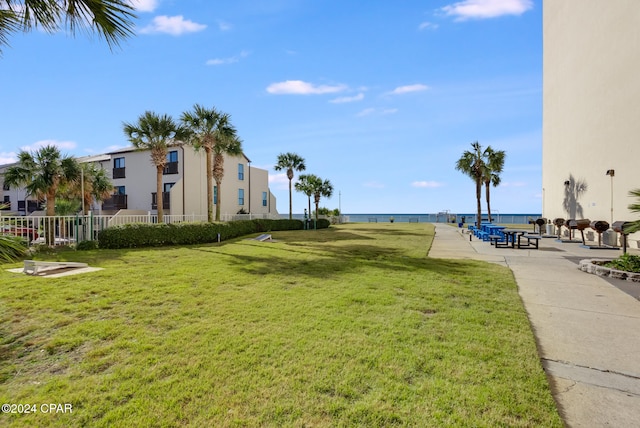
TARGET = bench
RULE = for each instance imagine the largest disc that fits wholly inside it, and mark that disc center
(532, 241)
(499, 241)
(373, 220)
(34, 267)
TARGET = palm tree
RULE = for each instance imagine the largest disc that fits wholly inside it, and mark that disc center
(42, 173)
(473, 164)
(291, 162)
(155, 133)
(110, 19)
(305, 185)
(321, 188)
(492, 171)
(96, 185)
(209, 128)
(231, 146)
(634, 226)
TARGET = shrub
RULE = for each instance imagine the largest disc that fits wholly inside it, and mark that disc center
(626, 262)
(149, 235)
(87, 245)
(12, 248)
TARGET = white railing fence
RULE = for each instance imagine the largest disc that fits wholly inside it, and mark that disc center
(65, 230)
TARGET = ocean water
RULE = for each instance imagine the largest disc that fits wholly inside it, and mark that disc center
(436, 218)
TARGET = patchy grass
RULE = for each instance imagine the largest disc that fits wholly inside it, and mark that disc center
(349, 326)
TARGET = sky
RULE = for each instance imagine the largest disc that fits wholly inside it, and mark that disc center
(380, 97)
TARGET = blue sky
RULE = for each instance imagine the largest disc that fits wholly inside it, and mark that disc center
(379, 97)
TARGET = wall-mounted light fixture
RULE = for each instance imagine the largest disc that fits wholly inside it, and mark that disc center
(611, 172)
(566, 183)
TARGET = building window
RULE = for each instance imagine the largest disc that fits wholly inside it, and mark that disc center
(119, 190)
(264, 199)
(240, 171)
(5, 186)
(168, 186)
(172, 163)
(240, 196)
(215, 195)
(6, 203)
(118, 168)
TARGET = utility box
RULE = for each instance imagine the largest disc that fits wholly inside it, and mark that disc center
(610, 238)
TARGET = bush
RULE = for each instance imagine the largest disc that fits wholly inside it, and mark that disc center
(87, 245)
(625, 262)
(12, 248)
(149, 235)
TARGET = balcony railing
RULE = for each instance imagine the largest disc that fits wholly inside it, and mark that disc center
(171, 168)
(31, 206)
(166, 200)
(115, 202)
(118, 172)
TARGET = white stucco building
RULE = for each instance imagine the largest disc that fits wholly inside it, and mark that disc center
(244, 188)
(591, 109)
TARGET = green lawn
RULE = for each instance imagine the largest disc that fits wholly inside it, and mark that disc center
(350, 326)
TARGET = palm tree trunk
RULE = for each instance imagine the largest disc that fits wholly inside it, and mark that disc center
(209, 156)
(50, 224)
(488, 185)
(290, 203)
(159, 202)
(219, 200)
(479, 200)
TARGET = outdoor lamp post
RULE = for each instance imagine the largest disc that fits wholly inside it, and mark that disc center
(611, 173)
(305, 219)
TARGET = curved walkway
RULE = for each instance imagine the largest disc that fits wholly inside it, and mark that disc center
(587, 330)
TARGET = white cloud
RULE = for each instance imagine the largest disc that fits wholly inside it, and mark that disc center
(8, 157)
(427, 25)
(377, 112)
(174, 25)
(298, 87)
(354, 98)
(484, 9)
(279, 181)
(144, 5)
(229, 60)
(64, 145)
(426, 184)
(366, 112)
(409, 88)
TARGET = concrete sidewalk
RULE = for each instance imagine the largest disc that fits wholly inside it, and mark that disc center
(588, 331)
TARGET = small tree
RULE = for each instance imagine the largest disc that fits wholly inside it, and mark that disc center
(634, 226)
(493, 168)
(305, 186)
(155, 133)
(42, 173)
(290, 162)
(321, 188)
(472, 163)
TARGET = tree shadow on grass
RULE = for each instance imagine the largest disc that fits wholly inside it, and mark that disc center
(330, 262)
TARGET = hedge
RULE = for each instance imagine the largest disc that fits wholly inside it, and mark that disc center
(139, 235)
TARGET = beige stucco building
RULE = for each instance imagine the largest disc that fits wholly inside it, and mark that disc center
(591, 108)
(243, 189)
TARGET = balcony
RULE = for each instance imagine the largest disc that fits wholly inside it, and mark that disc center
(118, 172)
(115, 202)
(166, 201)
(31, 206)
(170, 168)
